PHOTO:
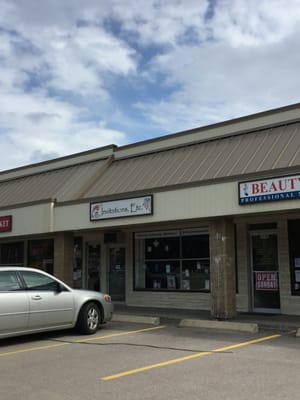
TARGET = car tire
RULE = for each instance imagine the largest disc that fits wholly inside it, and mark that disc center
(89, 319)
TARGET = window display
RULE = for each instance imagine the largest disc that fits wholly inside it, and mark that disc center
(41, 254)
(12, 253)
(172, 260)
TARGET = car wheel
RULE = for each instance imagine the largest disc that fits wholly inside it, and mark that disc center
(89, 319)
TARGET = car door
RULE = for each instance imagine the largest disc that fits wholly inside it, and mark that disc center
(14, 304)
(50, 304)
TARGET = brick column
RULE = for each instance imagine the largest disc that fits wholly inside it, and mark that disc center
(63, 257)
(222, 269)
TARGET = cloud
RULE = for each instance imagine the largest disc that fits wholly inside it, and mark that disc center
(249, 64)
(40, 117)
(218, 82)
(162, 22)
(35, 126)
(79, 74)
(77, 60)
(53, 76)
(254, 22)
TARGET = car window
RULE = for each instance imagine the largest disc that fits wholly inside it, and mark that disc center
(37, 281)
(8, 281)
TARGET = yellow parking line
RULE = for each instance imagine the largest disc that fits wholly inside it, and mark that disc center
(121, 334)
(186, 358)
(51, 346)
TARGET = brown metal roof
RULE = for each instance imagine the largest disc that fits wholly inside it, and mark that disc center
(63, 184)
(256, 152)
(265, 151)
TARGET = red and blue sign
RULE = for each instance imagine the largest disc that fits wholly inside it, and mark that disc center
(273, 189)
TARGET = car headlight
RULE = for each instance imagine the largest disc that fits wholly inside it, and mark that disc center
(107, 298)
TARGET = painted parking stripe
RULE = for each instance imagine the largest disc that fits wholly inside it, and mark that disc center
(30, 349)
(189, 357)
(122, 333)
(52, 346)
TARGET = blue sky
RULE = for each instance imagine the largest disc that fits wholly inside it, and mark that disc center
(81, 74)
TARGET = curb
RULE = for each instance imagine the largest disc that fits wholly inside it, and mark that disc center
(247, 327)
(136, 319)
(222, 325)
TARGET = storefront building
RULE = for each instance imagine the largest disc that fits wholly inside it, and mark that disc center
(205, 219)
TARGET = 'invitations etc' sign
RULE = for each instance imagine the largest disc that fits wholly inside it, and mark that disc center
(274, 189)
(121, 208)
(6, 223)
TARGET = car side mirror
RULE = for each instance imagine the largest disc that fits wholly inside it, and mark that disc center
(60, 288)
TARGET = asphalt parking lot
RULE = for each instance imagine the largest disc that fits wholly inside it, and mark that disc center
(138, 361)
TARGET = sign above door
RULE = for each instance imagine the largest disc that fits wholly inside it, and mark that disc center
(131, 207)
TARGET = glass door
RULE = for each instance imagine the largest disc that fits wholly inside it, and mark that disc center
(93, 266)
(117, 273)
(265, 278)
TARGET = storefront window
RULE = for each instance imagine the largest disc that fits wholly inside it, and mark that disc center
(41, 254)
(77, 262)
(294, 234)
(12, 253)
(172, 260)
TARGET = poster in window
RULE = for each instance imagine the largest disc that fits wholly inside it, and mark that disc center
(266, 280)
(297, 276)
(186, 284)
(171, 282)
(156, 284)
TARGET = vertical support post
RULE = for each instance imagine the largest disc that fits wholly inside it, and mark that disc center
(223, 276)
(63, 257)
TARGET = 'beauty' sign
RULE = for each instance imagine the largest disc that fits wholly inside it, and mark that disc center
(273, 189)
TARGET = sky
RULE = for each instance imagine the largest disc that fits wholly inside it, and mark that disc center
(81, 74)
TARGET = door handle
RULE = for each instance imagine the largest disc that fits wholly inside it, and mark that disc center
(36, 297)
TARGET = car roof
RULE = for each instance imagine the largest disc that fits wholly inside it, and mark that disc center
(17, 268)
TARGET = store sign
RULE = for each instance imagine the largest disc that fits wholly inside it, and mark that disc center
(266, 280)
(274, 189)
(121, 208)
(6, 223)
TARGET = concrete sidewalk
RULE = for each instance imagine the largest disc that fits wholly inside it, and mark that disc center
(244, 322)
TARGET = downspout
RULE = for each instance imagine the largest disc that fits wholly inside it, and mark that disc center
(52, 205)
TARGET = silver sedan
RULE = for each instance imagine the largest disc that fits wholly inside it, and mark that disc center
(33, 301)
